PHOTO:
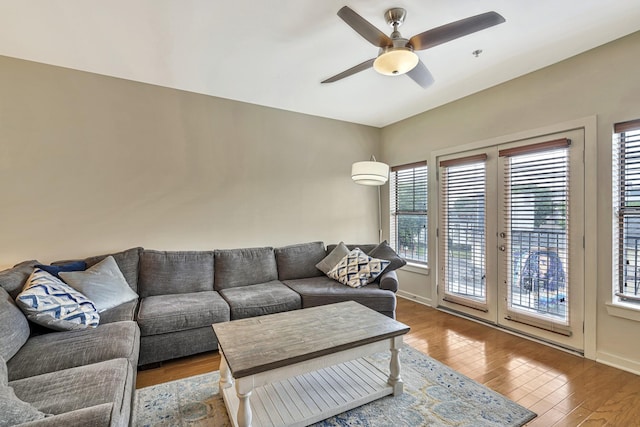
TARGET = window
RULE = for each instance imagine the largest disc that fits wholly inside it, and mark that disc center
(408, 200)
(463, 208)
(537, 223)
(626, 210)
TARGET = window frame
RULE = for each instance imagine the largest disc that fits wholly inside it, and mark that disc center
(418, 170)
(620, 211)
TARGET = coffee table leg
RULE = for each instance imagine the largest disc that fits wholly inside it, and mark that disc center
(394, 367)
(244, 387)
(226, 380)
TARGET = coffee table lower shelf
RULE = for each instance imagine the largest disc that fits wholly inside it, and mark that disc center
(314, 396)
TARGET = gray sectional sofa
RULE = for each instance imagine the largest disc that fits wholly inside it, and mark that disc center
(87, 377)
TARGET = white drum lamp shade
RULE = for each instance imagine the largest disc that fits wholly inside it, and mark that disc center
(370, 173)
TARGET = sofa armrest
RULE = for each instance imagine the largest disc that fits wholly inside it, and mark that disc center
(99, 415)
(389, 281)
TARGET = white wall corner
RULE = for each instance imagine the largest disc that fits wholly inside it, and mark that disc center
(609, 359)
(414, 297)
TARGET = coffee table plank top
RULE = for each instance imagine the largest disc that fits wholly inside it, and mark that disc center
(260, 344)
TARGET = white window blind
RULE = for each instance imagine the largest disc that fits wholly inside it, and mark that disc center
(537, 234)
(626, 207)
(408, 204)
(463, 236)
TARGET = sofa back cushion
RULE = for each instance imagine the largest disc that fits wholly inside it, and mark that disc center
(366, 248)
(242, 267)
(14, 328)
(299, 261)
(13, 279)
(179, 272)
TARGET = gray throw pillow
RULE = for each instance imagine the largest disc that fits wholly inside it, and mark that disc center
(14, 411)
(334, 257)
(104, 284)
(384, 251)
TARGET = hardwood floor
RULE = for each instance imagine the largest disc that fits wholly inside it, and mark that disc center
(563, 389)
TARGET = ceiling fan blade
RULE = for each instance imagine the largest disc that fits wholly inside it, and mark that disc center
(360, 67)
(364, 27)
(453, 30)
(421, 75)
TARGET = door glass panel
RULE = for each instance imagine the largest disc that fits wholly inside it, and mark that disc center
(537, 238)
(464, 229)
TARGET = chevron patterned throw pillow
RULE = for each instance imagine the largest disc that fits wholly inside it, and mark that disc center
(50, 302)
(357, 269)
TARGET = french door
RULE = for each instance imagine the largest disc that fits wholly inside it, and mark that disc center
(511, 233)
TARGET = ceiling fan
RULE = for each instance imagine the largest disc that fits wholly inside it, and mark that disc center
(396, 55)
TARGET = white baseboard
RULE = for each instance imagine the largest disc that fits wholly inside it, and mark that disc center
(628, 365)
(414, 297)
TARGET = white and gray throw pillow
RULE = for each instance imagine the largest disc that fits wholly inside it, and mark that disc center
(103, 283)
(357, 269)
(47, 301)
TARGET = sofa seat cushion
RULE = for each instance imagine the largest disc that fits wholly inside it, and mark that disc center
(160, 314)
(260, 299)
(94, 416)
(63, 350)
(109, 382)
(119, 313)
(323, 290)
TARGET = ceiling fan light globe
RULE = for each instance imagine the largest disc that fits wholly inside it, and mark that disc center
(396, 61)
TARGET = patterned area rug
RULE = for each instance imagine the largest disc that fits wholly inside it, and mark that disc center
(434, 395)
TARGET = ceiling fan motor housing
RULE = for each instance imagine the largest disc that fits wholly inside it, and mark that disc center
(395, 16)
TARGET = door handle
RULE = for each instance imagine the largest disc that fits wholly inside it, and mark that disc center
(502, 248)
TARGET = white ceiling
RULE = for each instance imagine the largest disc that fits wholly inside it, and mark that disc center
(275, 53)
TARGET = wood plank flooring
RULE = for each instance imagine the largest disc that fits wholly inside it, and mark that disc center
(562, 388)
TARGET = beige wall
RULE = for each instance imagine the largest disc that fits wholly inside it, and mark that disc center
(90, 164)
(602, 82)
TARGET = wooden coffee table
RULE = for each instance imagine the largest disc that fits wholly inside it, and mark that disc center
(300, 367)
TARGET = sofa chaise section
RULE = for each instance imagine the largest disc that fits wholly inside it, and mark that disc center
(77, 378)
(56, 351)
(316, 291)
(98, 394)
